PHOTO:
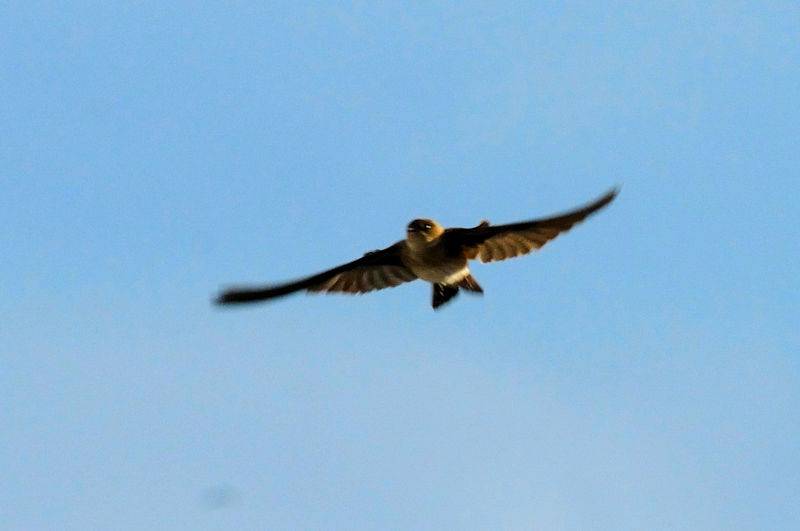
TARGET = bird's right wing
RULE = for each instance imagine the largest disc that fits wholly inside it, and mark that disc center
(491, 243)
(375, 270)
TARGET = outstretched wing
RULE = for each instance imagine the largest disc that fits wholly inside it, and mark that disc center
(375, 270)
(492, 243)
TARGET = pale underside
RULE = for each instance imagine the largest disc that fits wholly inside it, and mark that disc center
(447, 273)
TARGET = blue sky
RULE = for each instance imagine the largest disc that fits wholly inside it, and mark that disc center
(641, 372)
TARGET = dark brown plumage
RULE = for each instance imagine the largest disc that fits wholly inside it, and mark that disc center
(429, 253)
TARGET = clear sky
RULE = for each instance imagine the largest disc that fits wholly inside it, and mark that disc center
(640, 372)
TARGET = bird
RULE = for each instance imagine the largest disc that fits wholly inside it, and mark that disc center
(430, 253)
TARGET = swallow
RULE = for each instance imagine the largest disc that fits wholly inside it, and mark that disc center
(430, 253)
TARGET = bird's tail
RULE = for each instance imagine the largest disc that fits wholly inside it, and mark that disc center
(443, 293)
(469, 283)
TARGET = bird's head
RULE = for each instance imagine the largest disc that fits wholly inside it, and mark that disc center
(423, 231)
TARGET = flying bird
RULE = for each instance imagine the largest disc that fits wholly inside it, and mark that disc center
(430, 253)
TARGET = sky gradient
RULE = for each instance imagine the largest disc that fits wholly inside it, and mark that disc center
(640, 372)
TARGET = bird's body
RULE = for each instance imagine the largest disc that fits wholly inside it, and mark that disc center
(432, 262)
(430, 253)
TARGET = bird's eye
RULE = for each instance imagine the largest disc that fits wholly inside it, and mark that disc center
(427, 226)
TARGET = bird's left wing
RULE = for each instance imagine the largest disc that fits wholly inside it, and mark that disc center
(492, 243)
(375, 270)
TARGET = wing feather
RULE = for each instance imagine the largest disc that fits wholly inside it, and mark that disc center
(493, 243)
(375, 270)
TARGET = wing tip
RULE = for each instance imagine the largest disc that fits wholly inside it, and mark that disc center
(224, 298)
(238, 296)
(602, 201)
(610, 195)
